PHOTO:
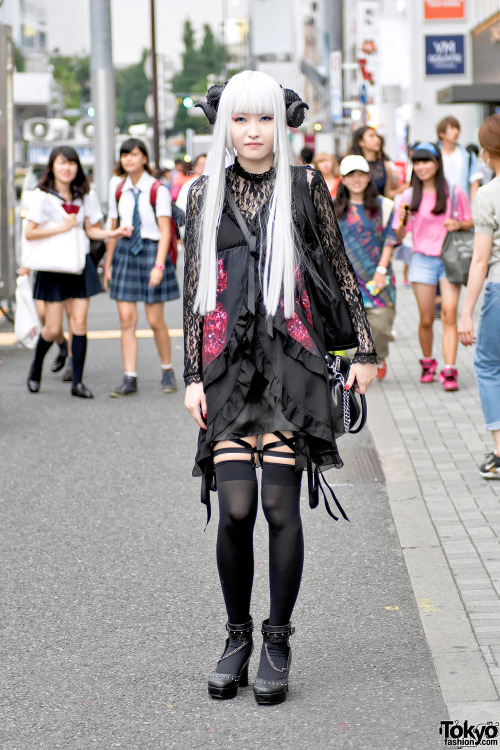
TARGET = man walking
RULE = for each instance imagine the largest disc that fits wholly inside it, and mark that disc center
(460, 166)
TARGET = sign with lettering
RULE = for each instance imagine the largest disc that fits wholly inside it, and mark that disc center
(444, 55)
(438, 9)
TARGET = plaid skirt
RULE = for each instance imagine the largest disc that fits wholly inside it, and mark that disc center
(130, 275)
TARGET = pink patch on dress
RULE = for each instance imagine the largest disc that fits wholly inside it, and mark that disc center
(215, 324)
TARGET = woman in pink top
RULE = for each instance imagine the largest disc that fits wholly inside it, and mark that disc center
(425, 210)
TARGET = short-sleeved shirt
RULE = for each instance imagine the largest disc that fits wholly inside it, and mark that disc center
(461, 168)
(45, 207)
(486, 215)
(428, 229)
(125, 210)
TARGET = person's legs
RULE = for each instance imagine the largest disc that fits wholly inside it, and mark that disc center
(381, 320)
(450, 294)
(78, 322)
(425, 295)
(237, 492)
(154, 314)
(50, 330)
(487, 367)
(128, 324)
(281, 506)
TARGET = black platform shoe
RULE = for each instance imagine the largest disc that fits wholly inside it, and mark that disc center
(271, 691)
(240, 646)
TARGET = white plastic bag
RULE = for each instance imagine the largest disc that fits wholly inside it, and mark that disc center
(27, 325)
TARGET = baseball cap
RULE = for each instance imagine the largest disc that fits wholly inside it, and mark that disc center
(353, 163)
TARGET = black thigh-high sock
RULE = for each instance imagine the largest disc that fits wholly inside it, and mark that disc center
(281, 506)
(41, 350)
(79, 351)
(237, 490)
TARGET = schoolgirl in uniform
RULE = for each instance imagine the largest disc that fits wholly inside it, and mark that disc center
(251, 366)
(138, 269)
(64, 183)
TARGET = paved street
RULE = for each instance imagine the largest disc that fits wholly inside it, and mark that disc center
(112, 614)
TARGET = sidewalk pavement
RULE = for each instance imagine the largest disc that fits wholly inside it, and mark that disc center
(447, 516)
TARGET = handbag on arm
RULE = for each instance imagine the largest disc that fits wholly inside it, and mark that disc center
(456, 252)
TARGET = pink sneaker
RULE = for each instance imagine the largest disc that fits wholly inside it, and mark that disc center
(448, 377)
(429, 367)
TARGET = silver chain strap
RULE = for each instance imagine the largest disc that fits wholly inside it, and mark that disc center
(346, 404)
(272, 663)
(232, 653)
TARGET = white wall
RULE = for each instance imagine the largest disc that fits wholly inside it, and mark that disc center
(425, 112)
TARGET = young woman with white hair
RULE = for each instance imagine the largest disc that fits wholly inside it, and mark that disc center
(265, 262)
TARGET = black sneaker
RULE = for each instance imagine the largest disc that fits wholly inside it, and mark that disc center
(491, 467)
(168, 383)
(127, 388)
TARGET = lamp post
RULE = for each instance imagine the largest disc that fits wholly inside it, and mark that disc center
(154, 86)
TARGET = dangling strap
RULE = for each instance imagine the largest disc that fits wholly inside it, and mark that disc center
(315, 484)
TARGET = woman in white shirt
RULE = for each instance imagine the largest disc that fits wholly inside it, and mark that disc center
(64, 184)
(138, 268)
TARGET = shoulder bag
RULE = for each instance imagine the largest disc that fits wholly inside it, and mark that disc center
(456, 252)
(61, 253)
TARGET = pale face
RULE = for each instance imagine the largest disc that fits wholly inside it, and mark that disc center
(356, 182)
(325, 166)
(425, 170)
(134, 161)
(200, 166)
(451, 133)
(64, 171)
(253, 139)
(370, 140)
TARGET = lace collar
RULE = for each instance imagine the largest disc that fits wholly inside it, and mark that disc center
(249, 176)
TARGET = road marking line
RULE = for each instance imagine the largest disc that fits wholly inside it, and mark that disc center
(9, 339)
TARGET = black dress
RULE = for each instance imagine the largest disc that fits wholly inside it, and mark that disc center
(262, 375)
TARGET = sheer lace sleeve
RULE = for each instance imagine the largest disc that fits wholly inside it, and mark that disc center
(193, 321)
(333, 247)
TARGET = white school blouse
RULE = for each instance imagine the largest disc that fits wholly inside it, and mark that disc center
(45, 207)
(149, 227)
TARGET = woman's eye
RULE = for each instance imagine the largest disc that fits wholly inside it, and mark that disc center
(267, 118)
(238, 119)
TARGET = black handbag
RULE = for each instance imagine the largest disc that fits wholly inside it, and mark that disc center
(97, 251)
(456, 252)
(348, 413)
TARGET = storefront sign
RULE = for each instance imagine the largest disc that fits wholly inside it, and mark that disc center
(444, 55)
(435, 10)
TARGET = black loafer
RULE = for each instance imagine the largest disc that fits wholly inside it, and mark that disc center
(60, 360)
(34, 380)
(82, 391)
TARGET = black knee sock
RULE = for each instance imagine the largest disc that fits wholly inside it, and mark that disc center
(63, 347)
(237, 490)
(79, 349)
(41, 350)
(281, 505)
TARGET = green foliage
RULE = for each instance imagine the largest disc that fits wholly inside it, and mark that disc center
(73, 76)
(197, 64)
(132, 88)
(19, 62)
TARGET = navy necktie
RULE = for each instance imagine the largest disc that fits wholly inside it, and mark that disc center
(135, 242)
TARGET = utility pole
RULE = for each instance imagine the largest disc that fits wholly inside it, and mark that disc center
(103, 95)
(154, 82)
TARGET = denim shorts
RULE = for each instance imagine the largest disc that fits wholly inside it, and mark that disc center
(426, 269)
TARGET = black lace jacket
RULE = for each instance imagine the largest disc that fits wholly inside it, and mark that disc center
(252, 193)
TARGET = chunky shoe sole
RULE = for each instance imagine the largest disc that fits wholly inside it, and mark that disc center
(226, 692)
(271, 699)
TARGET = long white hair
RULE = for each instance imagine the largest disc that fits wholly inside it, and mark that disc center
(250, 92)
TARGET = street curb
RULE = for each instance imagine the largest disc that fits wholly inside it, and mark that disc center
(461, 670)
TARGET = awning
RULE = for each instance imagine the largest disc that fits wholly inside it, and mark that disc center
(478, 93)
